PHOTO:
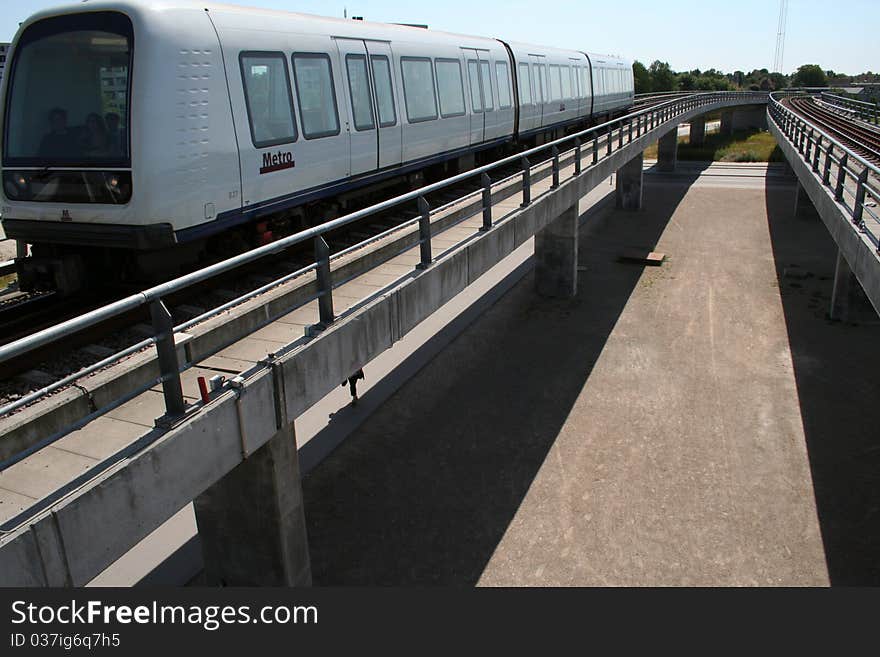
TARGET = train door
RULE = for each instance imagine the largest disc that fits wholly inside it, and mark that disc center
(382, 77)
(490, 96)
(528, 109)
(475, 93)
(576, 91)
(539, 83)
(361, 122)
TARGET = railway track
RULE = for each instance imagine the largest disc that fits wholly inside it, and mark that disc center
(860, 138)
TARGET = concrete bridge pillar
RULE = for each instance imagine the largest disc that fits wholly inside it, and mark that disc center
(698, 131)
(667, 151)
(849, 303)
(629, 184)
(252, 523)
(727, 122)
(556, 256)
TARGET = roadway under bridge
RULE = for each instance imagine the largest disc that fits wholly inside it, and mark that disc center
(107, 485)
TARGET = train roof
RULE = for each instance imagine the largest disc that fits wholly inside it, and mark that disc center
(289, 21)
(273, 20)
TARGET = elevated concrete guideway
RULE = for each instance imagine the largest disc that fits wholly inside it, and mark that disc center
(239, 445)
(845, 193)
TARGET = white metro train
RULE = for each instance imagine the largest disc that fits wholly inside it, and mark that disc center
(136, 133)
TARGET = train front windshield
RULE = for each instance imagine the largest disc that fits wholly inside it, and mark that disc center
(67, 105)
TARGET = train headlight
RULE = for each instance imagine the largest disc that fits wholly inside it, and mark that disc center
(17, 185)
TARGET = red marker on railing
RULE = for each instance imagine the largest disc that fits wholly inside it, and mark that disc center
(203, 390)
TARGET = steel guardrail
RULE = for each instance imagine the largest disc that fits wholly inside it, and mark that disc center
(869, 112)
(835, 165)
(634, 124)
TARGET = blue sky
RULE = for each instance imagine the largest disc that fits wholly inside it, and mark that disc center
(727, 35)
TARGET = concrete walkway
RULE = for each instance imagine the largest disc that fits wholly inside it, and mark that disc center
(650, 432)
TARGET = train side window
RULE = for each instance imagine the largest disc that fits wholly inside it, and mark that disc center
(450, 86)
(565, 79)
(487, 86)
(268, 98)
(315, 94)
(359, 92)
(585, 85)
(525, 84)
(418, 89)
(554, 83)
(503, 85)
(384, 90)
(539, 86)
(474, 80)
(545, 83)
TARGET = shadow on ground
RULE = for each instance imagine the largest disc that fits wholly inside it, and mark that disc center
(836, 367)
(395, 505)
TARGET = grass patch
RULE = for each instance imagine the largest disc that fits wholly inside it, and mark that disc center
(741, 146)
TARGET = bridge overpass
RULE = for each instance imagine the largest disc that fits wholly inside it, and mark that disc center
(288, 348)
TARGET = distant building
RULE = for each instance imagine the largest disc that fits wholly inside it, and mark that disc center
(4, 50)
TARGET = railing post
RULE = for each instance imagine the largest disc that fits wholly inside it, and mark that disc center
(816, 152)
(172, 390)
(577, 156)
(595, 148)
(527, 181)
(487, 201)
(859, 205)
(808, 146)
(608, 141)
(630, 132)
(841, 178)
(424, 234)
(555, 153)
(325, 282)
(826, 173)
(620, 136)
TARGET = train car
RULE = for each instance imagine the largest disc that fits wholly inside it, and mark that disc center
(176, 128)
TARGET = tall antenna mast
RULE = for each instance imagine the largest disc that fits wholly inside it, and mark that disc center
(780, 37)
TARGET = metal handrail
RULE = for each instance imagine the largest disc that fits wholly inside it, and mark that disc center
(644, 120)
(867, 111)
(812, 143)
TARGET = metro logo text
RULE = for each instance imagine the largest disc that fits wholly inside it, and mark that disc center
(277, 161)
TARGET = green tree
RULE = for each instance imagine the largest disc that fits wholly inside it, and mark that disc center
(662, 77)
(687, 82)
(642, 78)
(809, 75)
(779, 81)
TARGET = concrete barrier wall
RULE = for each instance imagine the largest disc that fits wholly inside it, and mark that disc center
(78, 537)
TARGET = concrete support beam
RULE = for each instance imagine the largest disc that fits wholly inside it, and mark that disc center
(251, 522)
(629, 183)
(727, 122)
(667, 151)
(698, 131)
(556, 256)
